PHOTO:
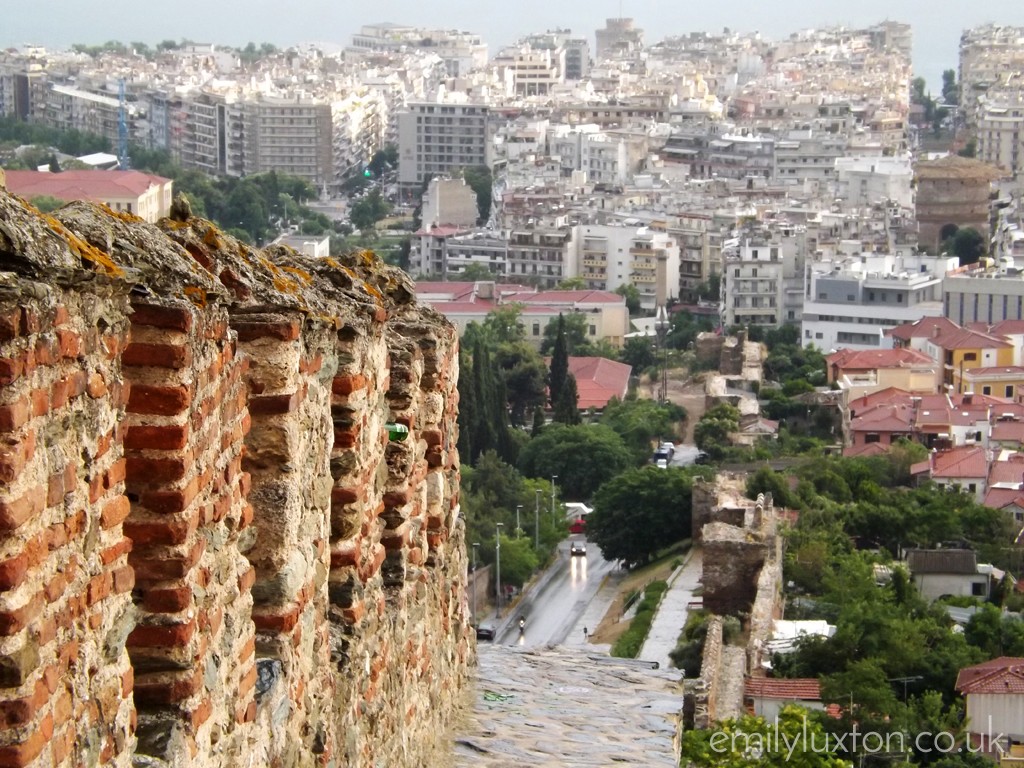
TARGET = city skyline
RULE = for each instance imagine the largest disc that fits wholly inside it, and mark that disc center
(61, 23)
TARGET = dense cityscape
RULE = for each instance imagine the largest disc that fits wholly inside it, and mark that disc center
(666, 395)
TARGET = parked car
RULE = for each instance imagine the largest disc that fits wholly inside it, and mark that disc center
(578, 549)
(484, 632)
(702, 458)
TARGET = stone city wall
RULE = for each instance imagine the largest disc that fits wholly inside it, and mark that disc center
(211, 553)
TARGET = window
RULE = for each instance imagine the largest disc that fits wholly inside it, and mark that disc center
(818, 335)
(736, 273)
(978, 589)
(986, 390)
(1009, 390)
(871, 437)
(899, 298)
(970, 357)
(536, 329)
(593, 330)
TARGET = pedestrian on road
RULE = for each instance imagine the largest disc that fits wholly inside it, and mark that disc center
(585, 634)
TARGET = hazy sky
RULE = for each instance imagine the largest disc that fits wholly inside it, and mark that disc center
(59, 23)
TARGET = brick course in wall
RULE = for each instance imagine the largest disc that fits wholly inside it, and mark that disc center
(210, 552)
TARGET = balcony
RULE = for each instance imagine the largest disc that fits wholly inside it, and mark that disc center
(595, 262)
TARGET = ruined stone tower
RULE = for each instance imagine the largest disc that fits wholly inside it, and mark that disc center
(211, 553)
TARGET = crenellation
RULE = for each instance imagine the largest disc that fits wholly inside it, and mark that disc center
(210, 551)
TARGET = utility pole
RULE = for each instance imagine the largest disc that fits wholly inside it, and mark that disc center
(536, 521)
(497, 562)
(518, 529)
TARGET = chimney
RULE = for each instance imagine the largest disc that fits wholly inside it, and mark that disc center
(935, 330)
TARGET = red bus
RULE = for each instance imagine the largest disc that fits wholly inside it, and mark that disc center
(579, 525)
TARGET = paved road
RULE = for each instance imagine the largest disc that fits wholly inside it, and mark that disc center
(554, 609)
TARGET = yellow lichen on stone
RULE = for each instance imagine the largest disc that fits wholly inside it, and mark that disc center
(196, 295)
(212, 239)
(332, 262)
(89, 253)
(304, 276)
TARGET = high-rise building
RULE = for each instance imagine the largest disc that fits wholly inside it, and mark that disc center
(435, 138)
(618, 38)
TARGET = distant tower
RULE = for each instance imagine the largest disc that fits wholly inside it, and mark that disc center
(123, 161)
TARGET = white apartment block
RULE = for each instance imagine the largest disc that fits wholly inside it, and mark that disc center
(989, 56)
(699, 253)
(807, 156)
(436, 138)
(461, 52)
(862, 181)
(618, 38)
(611, 255)
(1000, 132)
(851, 301)
(528, 71)
(762, 279)
(448, 201)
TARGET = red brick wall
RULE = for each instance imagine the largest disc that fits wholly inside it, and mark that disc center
(210, 551)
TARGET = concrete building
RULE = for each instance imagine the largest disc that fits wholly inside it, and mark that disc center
(981, 293)
(609, 256)
(955, 572)
(850, 301)
(953, 190)
(994, 693)
(763, 278)
(1000, 133)
(461, 52)
(436, 138)
(807, 156)
(448, 201)
(866, 180)
(699, 253)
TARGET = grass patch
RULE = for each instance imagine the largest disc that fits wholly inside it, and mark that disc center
(631, 641)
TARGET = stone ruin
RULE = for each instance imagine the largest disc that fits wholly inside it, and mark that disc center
(211, 553)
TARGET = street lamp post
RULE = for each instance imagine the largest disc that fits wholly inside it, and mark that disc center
(536, 521)
(518, 507)
(661, 330)
(476, 546)
(497, 563)
(553, 478)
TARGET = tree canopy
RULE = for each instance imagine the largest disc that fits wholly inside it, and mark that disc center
(638, 512)
(583, 456)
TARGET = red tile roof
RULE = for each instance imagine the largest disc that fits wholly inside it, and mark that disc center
(1002, 328)
(598, 380)
(1004, 675)
(865, 451)
(873, 359)
(1007, 431)
(964, 461)
(82, 185)
(884, 418)
(887, 395)
(921, 329)
(1009, 471)
(568, 297)
(797, 688)
(998, 498)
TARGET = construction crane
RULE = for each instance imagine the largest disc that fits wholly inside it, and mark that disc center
(123, 161)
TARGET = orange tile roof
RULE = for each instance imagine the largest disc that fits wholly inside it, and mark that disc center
(964, 461)
(873, 359)
(1004, 675)
(919, 329)
(864, 451)
(802, 688)
(598, 380)
(82, 185)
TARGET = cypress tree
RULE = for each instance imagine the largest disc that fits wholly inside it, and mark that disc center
(559, 364)
(538, 421)
(566, 411)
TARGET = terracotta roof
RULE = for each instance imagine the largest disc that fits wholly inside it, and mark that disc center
(998, 498)
(920, 329)
(1007, 431)
(882, 396)
(965, 338)
(1010, 327)
(1009, 471)
(1004, 675)
(964, 461)
(569, 297)
(865, 451)
(884, 418)
(942, 561)
(802, 688)
(993, 370)
(598, 380)
(873, 359)
(82, 185)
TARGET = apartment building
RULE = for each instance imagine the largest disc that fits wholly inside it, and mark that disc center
(866, 180)
(804, 156)
(699, 252)
(461, 52)
(762, 278)
(612, 255)
(532, 69)
(710, 153)
(984, 293)
(436, 138)
(990, 56)
(141, 194)
(851, 301)
(1000, 132)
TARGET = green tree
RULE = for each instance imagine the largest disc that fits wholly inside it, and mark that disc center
(525, 378)
(504, 324)
(950, 90)
(711, 434)
(583, 456)
(641, 511)
(565, 410)
(632, 295)
(368, 210)
(572, 284)
(642, 423)
(481, 182)
(47, 204)
(638, 352)
(538, 421)
(559, 371)
(795, 740)
(968, 245)
(472, 273)
(573, 326)
(518, 560)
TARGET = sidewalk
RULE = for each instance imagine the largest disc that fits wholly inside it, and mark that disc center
(673, 610)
